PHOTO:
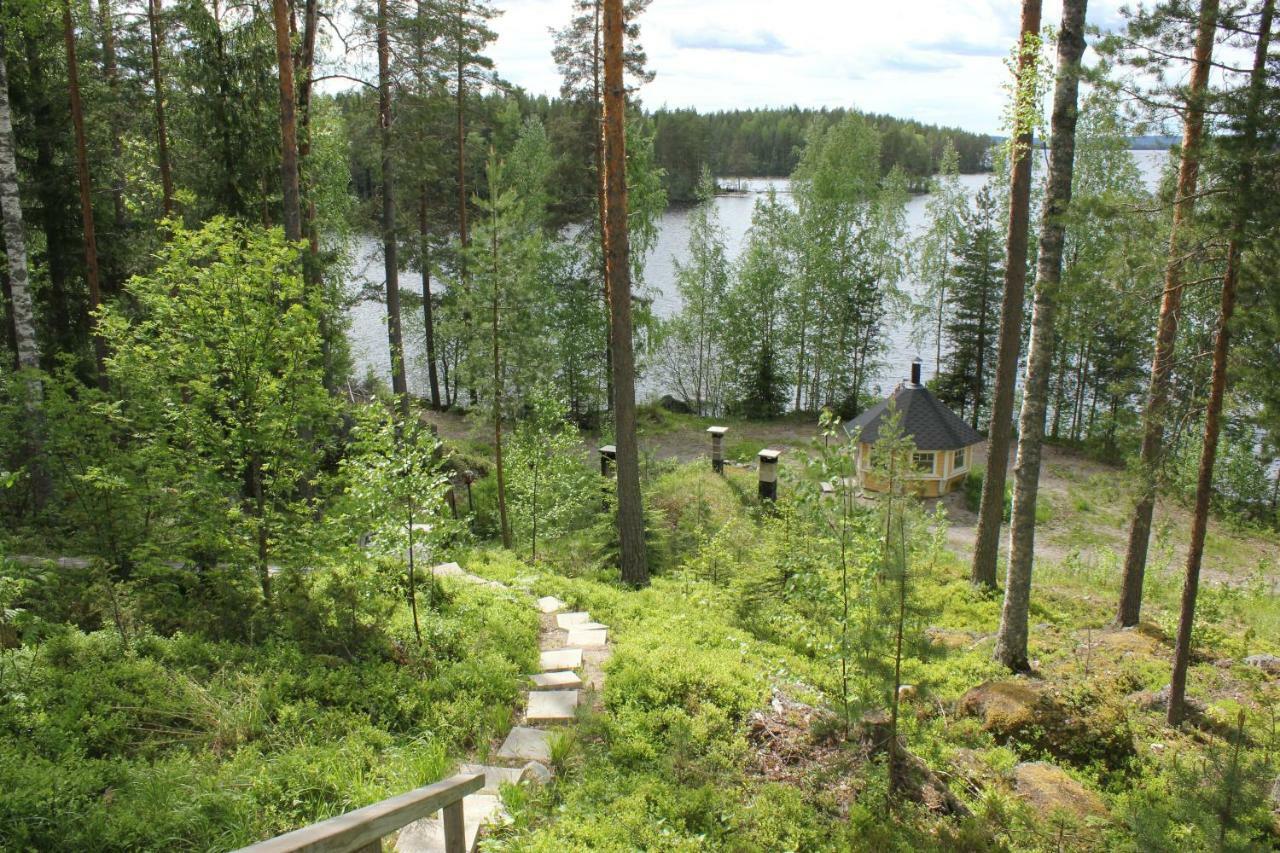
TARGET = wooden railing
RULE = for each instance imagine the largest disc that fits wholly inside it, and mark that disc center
(362, 830)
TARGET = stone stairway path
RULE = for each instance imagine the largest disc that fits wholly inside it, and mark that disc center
(572, 650)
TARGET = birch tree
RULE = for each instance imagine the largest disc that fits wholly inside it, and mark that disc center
(15, 249)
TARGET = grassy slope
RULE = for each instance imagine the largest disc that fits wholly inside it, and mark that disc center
(669, 766)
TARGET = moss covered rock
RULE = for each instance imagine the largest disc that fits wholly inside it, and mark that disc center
(1049, 789)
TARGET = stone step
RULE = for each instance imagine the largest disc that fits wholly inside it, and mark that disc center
(590, 638)
(526, 744)
(556, 681)
(565, 621)
(494, 776)
(560, 659)
(550, 604)
(427, 835)
(552, 706)
(588, 626)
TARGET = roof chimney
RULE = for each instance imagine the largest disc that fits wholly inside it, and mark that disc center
(915, 371)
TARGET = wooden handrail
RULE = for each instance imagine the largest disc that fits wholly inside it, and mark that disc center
(365, 828)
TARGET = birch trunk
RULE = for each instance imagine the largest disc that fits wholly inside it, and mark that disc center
(24, 323)
(1011, 641)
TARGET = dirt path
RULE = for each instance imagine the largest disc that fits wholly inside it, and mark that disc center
(1087, 500)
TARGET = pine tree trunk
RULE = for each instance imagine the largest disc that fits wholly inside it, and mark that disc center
(391, 267)
(1244, 202)
(635, 570)
(504, 525)
(157, 81)
(22, 314)
(1011, 640)
(292, 217)
(428, 310)
(109, 70)
(991, 511)
(91, 273)
(597, 121)
(1135, 561)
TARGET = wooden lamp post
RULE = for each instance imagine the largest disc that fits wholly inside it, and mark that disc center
(768, 465)
(717, 447)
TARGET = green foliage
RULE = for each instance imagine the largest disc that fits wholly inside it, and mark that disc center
(189, 742)
(549, 486)
(220, 373)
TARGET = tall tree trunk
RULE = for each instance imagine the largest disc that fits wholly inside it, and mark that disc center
(305, 67)
(109, 71)
(86, 199)
(1244, 203)
(991, 511)
(391, 268)
(428, 310)
(157, 82)
(19, 281)
(504, 525)
(635, 570)
(292, 217)
(47, 180)
(1135, 560)
(1011, 640)
(597, 123)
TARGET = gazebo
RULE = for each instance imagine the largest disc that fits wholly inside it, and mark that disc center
(944, 442)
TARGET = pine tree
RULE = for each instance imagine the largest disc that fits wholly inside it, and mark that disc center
(635, 569)
(1011, 641)
(1024, 114)
(973, 309)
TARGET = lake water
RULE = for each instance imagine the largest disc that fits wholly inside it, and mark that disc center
(368, 336)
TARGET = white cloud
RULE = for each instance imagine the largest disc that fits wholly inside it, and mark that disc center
(935, 60)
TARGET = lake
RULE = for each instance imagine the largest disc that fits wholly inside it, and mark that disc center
(368, 335)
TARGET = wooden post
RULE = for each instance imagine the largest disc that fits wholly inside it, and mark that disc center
(768, 466)
(608, 459)
(717, 448)
(455, 832)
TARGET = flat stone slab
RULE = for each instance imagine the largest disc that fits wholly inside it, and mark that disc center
(588, 626)
(494, 776)
(556, 681)
(550, 604)
(526, 744)
(565, 621)
(449, 570)
(590, 638)
(427, 835)
(559, 659)
(552, 706)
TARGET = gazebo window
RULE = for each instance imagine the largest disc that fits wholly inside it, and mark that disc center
(960, 460)
(923, 462)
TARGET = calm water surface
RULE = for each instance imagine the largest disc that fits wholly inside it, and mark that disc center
(368, 334)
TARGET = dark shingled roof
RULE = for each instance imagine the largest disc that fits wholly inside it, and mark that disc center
(931, 424)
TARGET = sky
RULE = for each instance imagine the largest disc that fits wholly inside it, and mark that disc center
(940, 61)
